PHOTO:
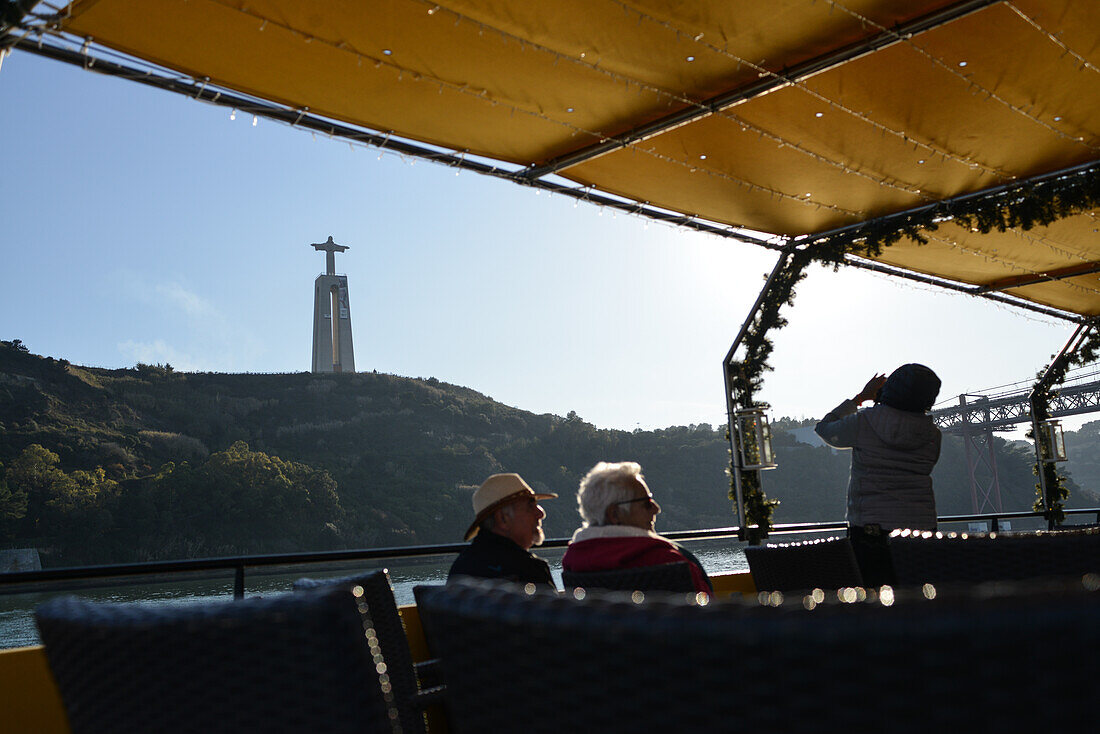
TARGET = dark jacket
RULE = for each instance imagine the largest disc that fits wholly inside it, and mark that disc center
(893, 453)
(492, 556)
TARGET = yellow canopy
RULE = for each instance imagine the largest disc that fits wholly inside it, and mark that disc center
(787, 117)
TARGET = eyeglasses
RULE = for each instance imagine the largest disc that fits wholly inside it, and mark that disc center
(648, 499)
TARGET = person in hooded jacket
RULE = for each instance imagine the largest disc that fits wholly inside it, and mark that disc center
(895, 445)
(619, 514)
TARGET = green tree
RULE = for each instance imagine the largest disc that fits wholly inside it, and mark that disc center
(70, 508)
(13, 506)
(245, 501)
(36, 475)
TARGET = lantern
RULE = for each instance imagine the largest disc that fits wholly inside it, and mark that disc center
(754, 439)
(1054, 441)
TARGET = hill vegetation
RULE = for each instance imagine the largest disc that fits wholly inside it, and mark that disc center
(100, 465)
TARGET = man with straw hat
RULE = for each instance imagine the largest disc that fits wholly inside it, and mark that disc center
(507, 524)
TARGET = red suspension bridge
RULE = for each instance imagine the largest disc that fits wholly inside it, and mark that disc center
(977, 415)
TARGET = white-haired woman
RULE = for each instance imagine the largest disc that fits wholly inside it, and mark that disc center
(618, 513)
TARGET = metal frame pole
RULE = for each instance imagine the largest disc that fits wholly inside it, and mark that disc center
(1044, 382)
(735, 453)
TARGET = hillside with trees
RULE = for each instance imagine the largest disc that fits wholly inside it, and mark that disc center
(117, 465)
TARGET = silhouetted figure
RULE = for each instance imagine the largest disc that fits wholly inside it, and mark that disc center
(895, 445)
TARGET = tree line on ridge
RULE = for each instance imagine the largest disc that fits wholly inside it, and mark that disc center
(109, 466)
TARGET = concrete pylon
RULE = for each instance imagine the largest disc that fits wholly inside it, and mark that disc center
(332, 348)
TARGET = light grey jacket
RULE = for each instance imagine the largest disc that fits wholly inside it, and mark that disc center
(893, 453)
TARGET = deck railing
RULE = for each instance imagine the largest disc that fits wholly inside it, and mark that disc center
(27, 581)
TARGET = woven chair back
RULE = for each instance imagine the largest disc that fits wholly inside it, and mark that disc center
(544, 663)
(994, 557)
(292, 663)
(815, 564)
(662, 577)
(392, 638)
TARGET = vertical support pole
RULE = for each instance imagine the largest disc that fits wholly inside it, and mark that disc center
(1044, 382)
(971, 463)
(238, 583)
(731, 401)
(994, 493)
(977, 435)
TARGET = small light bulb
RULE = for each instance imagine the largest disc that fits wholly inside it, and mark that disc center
(233, 115)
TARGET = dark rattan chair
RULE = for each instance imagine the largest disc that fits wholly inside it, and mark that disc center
(415, 686)
(813, 564)
(291, 663)
(993, 557)
(663, 577)
(972, 660)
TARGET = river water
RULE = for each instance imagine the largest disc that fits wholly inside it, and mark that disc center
(17, 609)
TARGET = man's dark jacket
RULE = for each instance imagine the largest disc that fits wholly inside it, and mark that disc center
(492, 556)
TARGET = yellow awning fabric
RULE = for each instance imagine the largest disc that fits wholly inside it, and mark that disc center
(992, 93)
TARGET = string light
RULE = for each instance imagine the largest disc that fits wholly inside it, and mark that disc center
(990, 94)
(641, 86)
(878, 179)
(993, 258)
(1084, 63)
(482, 93)
(763, 72)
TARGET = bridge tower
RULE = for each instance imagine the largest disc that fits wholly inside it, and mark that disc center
(981, 461)
(332, 348)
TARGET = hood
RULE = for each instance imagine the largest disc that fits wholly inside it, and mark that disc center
(901, 428)
(591, 532)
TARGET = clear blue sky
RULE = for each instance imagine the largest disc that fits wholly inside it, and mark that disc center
(139, 225)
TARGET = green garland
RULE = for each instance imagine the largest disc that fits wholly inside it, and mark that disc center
(1024, 206)
(12, 13)
(1044, 391)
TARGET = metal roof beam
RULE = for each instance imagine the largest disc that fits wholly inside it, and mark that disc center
(211, 94)
(951, 285)
(1019, 281)
(852, 231)
(779, 80)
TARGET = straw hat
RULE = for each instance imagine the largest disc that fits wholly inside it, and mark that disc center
(497, 491)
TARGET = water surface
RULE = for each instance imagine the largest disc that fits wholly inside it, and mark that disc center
(17, 610)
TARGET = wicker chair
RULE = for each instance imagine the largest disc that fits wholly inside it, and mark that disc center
(518, 662)
(415, 686)
(662, 577)
(993, 557)
(291, 663)
(815, 564)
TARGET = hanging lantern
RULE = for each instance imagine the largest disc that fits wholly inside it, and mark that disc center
(754, 439)
(1054, 441)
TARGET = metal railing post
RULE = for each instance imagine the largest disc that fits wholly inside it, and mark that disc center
(1044, 383)
(735, 454)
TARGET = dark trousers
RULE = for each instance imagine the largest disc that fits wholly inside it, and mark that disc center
(872, 554)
